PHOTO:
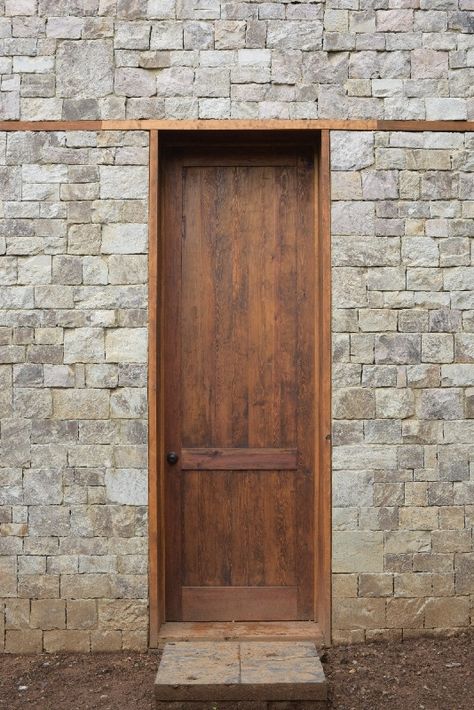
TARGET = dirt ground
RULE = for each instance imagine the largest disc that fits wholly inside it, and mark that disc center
(422, 674)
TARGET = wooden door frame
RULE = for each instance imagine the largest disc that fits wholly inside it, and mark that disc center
(322, 443)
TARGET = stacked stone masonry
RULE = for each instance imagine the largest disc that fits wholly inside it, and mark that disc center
(73, 296)
(73, 354)
(403, 378)
(90, 59)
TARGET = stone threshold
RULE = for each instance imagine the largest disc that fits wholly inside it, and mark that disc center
(227, 675)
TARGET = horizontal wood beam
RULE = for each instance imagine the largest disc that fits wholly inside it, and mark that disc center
(239, 459)
(237, 125)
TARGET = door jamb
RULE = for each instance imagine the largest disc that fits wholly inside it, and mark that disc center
(323, 509)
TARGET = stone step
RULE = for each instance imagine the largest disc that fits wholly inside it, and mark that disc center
(251, 675)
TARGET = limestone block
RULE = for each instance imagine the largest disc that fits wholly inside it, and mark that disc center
(437, 347)
(101, 376)
(464, 568)
(395, 403)
(457, 375)
(447, 613)
(94, 270)
(125, 614)
(176, 81)
(429, 64)
(354, 403)
(134, 82)
(352, 488)
(128, 403)
(84, 68)
(405, 613)
(126, 345)
(64, 27)
(48, 614)
(357, 551)
(214, 108)
(295, 35)
(444, 109)
(66, 641)
(420, 251)
(126, 486)
(123, 182)
(23, 641)
(48, 520)
(81, 614)
(42, 486)
(81, 404)
(166, 35)
(352, 150)
(376, 585)
(397, 348)
(83, 345)
(440, 404)
(359, 613)
(348, 218)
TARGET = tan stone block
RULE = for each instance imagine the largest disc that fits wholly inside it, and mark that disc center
(344, 585)
(106, 640)
(24, 641)
(446, 541)
(416, 493)
(48, 614)
(447, 612)
(134, 640)
(357, 551)
(359, 614)
(405, 613)
(451, 518)
(375, 585)
(71, 641)
(81, 404)
(443, 585)
(2, 629)
(418, 518)
(411, 584)
(81, 614)
(17, 613)
(125, 614)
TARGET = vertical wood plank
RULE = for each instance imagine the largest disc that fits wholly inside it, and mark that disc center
(155, 537)
(323, 437)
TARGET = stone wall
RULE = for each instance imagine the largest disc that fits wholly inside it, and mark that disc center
(73, 234)
(73, 354)
(403, 407)
(88, 59)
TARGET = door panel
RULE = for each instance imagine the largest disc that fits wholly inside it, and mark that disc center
(239, 392)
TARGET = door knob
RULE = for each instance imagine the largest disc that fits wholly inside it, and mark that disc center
(172, 457)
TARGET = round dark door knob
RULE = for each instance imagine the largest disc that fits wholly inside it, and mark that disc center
(172, 457)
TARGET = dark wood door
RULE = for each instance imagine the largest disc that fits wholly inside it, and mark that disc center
(239, 393)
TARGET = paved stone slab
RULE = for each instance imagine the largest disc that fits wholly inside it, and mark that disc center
(240, 676)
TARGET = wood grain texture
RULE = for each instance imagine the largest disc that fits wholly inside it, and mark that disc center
(155, 536)
(238, 124)
(238, 273)
(239, 459)
(323, 361)
(243, 631)
(245, 603)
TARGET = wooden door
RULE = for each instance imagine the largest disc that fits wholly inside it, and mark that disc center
(239, 392)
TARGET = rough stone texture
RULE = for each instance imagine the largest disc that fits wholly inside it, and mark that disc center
(73, 479)
(397, 59)
(240, 671)
(403, 454)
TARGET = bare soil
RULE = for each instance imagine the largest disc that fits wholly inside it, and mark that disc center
(421, 674)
